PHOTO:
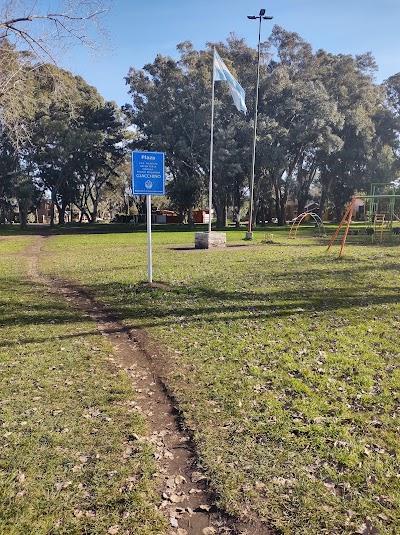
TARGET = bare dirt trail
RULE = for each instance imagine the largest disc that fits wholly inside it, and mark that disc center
(184, 496)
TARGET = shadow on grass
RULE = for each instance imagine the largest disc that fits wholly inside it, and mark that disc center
(19, 308)
(162, 303)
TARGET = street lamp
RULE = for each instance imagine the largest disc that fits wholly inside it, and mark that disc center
(260, 17)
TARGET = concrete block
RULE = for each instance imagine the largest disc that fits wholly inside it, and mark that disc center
(206, 240)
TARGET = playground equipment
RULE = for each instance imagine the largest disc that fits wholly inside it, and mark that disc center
(381, 209)
(377, 221)
(296, 223)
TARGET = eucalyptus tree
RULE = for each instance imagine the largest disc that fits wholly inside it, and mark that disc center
(170, 109)
(77, 143)
(297, 118)
(99, 159)
(349, 81)
(389, 119)
(9, 167)
(27, 193)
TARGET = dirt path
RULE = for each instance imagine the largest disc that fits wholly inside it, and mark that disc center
(185, 499)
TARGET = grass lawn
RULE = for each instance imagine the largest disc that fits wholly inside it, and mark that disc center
(66, 419)
(285, 362)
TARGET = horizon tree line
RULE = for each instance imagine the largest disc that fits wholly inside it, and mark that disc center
(324, 126)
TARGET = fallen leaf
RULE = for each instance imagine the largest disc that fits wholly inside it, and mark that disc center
(367, 528)
(174, 498)
(173, 521)
(20, 477)
(78, 513)
(63, 485)
(179, 480)
(77, 468)
(197, 476)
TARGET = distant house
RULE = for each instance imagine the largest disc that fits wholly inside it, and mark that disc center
(201, 216)
(168, 216)
(43, 212)
(165, 216)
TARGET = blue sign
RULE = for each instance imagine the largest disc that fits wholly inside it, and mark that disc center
(148, 177)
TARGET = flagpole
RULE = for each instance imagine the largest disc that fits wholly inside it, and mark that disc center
(210, 186)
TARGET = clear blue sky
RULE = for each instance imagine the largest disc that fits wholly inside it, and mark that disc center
(138, 30)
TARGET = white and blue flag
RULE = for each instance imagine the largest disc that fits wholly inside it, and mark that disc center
(221, 73)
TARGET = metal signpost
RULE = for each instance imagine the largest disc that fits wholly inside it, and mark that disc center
(148, 178)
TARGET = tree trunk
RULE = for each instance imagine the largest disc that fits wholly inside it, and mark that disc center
(237, 203)
(221, 216)
(237, 217)
(61, 214)
(93, 214)
(280, 204)
(302, 199)
(326, 185)
(190, 218)
(23, 216)
(339, 212)
(322, 203)
(52, 205)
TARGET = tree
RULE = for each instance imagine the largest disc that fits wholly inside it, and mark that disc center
(27, 193)
(76, 143)
(296, 119)
(47, 32)
(101, 157)
(171, 109)
(31, 36)
(184, 193)
(389, 119)
(8, 170)
(349, 81)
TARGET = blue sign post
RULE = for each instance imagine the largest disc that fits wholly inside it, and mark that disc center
(148, 178)
(148, 174)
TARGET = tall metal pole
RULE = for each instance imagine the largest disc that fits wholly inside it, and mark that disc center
(210, 186)
(249, 234)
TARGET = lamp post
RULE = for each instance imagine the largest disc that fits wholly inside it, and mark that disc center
(260, 17)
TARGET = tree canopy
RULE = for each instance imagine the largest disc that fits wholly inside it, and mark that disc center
(322, 121)
(326, 129)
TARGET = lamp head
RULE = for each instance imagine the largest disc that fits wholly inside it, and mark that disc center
(262, 12)
(251, 17)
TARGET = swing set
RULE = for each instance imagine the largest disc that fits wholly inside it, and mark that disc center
(380, 215)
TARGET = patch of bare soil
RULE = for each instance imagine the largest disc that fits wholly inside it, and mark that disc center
(184, 496)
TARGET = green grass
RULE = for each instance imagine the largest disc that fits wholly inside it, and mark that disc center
(17, 244)
(285, 362)
(67, 420)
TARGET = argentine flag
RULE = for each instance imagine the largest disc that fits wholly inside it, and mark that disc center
(222, 73)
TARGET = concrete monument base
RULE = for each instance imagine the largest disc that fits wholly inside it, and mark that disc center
(206, 240)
